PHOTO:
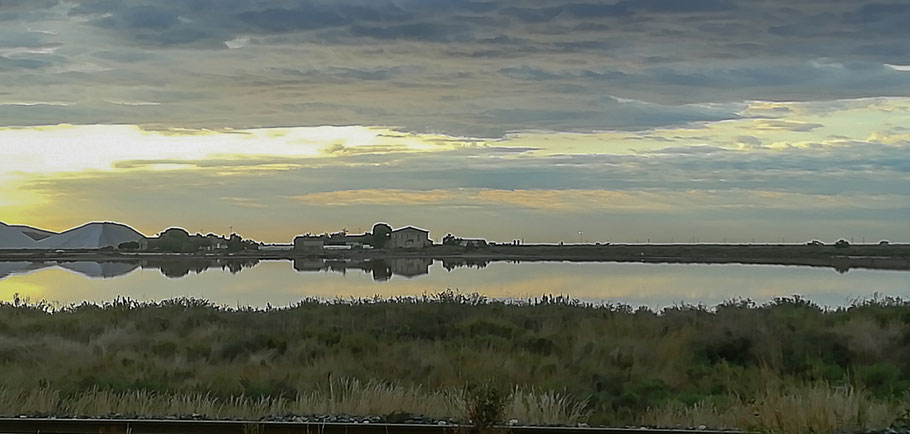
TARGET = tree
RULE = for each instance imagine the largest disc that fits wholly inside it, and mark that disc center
(174, 240)
(382, 233)
(841, 244)
(129, 245)
(235, 243)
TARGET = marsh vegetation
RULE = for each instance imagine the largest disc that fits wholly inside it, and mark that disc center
(783, 366)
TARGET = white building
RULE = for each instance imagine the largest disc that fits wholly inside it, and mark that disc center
(409, 237)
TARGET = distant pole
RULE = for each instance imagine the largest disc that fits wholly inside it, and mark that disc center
(580, 235)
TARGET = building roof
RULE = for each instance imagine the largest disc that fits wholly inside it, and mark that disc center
(311, 237)
(412, 228)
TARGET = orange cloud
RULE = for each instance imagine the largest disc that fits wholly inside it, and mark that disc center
(573, 199)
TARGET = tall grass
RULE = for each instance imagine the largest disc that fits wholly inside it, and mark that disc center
(787, 360)
(344, 396)
(808, 408)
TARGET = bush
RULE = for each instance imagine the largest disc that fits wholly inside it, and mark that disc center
(618, 359)
(486, 407)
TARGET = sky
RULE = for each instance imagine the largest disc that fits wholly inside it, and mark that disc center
(541, 120)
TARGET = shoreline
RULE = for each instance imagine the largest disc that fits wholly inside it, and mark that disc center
(865, 256)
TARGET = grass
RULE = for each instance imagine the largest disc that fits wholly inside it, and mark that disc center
(816, 408)
(341, 397)
(785, 366)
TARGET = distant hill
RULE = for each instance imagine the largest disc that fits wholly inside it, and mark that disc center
(91, 236)
(34, 233)
(13, 238)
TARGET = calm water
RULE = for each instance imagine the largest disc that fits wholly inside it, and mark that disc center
(282, 282)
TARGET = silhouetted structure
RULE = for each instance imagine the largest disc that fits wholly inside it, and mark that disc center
(410, 237)
(452, 240)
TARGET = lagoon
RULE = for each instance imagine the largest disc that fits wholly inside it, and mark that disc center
(277, 283)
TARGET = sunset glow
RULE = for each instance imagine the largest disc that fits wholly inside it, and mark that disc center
(525, 125)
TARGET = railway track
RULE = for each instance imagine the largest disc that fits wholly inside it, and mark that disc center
(128, 426)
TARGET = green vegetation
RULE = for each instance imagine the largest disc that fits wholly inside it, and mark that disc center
(180, 241)
(381, 235)
(786, 366)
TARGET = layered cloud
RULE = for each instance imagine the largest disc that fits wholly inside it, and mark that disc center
(778, 170)
(543, 117)
(477, 68)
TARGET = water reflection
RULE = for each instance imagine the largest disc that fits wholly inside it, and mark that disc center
(110, 269)
(451, 264)
(381, 269)
(240, 282)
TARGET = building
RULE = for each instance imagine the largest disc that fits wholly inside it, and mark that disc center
(409, 237)
(334, 241)
(276, 247)
(309, 242)
(452, 240)
(358, 241)
(474, 243)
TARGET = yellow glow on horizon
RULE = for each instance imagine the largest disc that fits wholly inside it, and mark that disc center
(72, 149)
(16, 202)
(64, 148)
(59, 176)
(594, 199)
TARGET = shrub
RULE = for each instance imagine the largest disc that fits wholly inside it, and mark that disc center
(486, 406)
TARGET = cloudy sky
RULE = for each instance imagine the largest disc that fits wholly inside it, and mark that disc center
(627, 120)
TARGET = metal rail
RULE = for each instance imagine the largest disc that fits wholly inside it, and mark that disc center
(134, 426)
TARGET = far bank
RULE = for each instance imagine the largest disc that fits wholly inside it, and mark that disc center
(870, 256)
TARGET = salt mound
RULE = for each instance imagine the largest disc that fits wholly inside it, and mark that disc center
(91, 236)
(12, 238)
(34, 233)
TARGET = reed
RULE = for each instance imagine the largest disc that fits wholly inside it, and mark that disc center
(343, 396)
(812, 408)
(559, 360)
